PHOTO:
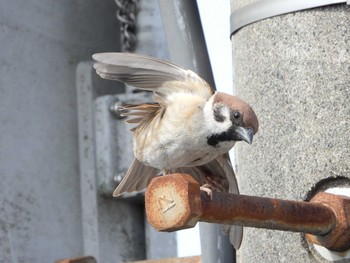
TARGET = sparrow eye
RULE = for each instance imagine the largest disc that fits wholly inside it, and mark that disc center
(236, 115)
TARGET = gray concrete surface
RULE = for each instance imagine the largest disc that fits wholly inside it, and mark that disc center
(113, 229)
(295, 71)
(41, 44)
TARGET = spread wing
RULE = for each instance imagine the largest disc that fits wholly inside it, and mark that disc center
(148, 73)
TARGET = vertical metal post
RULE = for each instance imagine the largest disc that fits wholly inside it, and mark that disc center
(185, 38)
(187, 47)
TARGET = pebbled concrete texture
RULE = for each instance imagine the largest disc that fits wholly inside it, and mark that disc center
(294, 70)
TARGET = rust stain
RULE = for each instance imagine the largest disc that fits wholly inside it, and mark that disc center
(325, 219)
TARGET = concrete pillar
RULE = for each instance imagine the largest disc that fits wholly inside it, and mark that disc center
(294, 70)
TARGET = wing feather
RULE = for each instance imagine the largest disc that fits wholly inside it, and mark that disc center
(142, 114)
(235, 232)
(136, 179)
(149, 73)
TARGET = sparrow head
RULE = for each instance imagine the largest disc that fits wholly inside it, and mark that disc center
(233, 119)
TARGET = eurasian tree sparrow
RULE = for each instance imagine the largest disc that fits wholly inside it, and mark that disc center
(189, 129)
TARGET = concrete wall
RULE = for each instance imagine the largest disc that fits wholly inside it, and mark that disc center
(41, 43)
(295, 71)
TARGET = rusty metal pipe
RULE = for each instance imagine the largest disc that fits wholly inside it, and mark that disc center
(267, 213)
(175, 202)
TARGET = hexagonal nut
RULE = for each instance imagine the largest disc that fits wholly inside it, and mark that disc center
(338, 239)
(173, 202)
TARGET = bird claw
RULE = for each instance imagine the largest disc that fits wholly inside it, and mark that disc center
(206, 188)
(214, 185)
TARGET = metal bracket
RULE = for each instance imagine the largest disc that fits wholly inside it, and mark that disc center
(269, 8)
(113, 140)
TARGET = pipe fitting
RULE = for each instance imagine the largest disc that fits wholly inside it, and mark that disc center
(175, 202)
(338, 239)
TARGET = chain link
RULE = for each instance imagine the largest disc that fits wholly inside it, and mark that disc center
(126, 15)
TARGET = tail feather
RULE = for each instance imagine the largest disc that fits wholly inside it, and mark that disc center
(136, 179)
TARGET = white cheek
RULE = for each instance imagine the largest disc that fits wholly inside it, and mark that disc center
(214, 126)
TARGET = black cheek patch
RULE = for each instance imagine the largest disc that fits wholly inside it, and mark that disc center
(215, 139)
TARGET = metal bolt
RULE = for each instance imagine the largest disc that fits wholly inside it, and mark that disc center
(118, 178)
(175, 202)
(115, 109)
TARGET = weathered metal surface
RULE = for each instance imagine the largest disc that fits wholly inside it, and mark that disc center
(267, 213)
(175, 202)
(339, 238)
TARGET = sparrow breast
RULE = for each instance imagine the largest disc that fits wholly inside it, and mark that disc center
(178, 138)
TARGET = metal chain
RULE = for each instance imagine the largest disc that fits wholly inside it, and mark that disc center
(126, 15)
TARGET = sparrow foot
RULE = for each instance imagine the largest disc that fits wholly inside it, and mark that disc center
(207, 188)
(216, 186)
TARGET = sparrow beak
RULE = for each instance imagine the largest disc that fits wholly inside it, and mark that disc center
(244, 134)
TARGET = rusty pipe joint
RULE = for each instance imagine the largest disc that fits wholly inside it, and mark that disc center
(338, 239)
(175, 202)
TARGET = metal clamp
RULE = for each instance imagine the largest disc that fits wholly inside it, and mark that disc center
(269, 8)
